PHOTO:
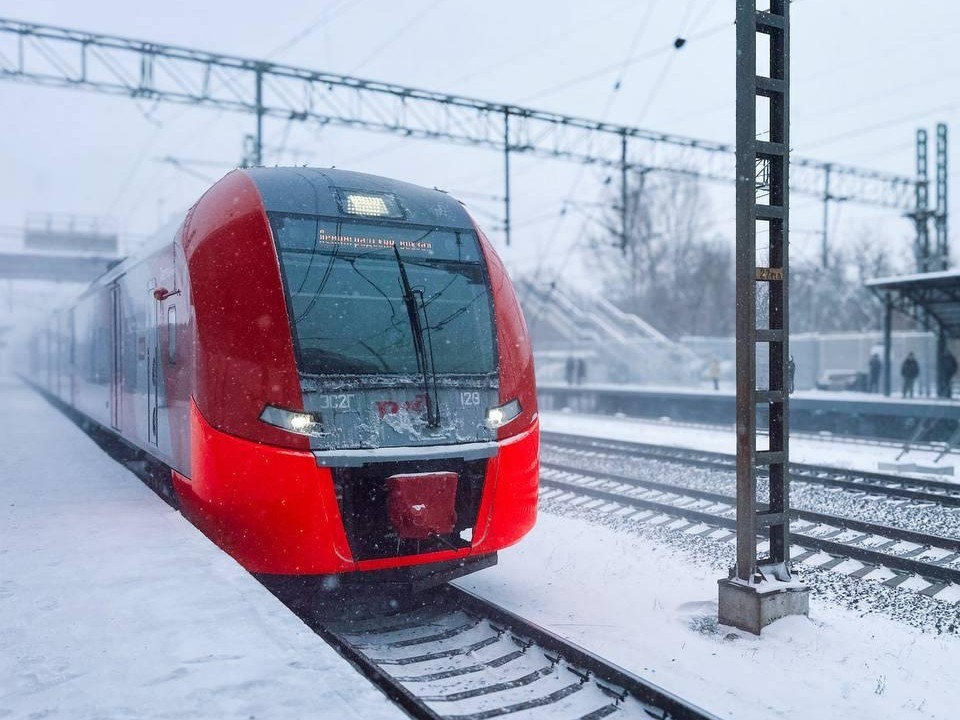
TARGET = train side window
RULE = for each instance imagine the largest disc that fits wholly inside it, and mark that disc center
(172, 334)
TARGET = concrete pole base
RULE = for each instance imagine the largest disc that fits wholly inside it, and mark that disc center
(751, 607)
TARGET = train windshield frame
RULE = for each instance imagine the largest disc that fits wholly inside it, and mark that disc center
(346, 299)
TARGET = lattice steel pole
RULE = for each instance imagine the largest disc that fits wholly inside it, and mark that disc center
(506, 176)
(624, 219)
(824, 248)
(921, 212)
(759, 591)
(260, 110)
(940, 218)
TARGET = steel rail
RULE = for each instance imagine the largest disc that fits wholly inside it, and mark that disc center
(923, 490)
(432, 631)
(894, 533)
(643, 690)
(395, 691)
(831, 547)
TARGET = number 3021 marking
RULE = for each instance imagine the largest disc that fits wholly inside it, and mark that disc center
(469, 398)
(334, 402)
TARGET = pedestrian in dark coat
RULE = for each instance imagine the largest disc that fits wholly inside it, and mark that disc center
(581, 371)
(909, 371)
(948, 365)
(791, 374)
(569, 369)
(876, 365)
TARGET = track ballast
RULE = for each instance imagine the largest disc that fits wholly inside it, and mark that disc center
(896, 486)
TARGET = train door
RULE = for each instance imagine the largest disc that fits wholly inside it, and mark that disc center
(153, 364)
(115, 339)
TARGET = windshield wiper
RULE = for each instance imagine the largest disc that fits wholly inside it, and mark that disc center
(424, 353)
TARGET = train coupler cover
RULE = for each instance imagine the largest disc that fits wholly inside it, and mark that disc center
(422, 504)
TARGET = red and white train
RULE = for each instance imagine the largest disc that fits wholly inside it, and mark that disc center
(334, 366)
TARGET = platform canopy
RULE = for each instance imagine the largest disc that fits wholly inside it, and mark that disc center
(926, 297)
(933, 300)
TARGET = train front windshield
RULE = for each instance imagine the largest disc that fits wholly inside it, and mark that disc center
(351, 309)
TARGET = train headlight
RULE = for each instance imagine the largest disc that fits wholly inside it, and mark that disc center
(369, 204)
(503, 414)
(302, 423)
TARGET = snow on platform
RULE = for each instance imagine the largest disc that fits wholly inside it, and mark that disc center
(113, 606)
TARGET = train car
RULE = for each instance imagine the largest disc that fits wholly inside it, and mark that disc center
(333, 366)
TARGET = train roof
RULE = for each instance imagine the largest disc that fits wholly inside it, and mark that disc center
(313, 191)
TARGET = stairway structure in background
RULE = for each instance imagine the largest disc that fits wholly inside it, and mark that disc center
(617, 346)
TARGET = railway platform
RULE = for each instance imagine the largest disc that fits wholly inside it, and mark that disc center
(115, 606)
(846, 414)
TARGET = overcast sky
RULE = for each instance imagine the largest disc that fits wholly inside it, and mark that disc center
(866, 74)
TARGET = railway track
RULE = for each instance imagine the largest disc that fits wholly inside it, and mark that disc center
(904, 552)
(453, 655)
(870, 483)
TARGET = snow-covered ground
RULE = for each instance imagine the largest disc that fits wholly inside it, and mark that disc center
(636, 601)
(640, 600)
(113, 606)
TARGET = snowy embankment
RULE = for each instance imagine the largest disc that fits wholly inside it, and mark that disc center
(114, 606)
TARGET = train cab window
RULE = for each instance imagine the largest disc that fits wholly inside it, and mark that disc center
(172, 334)
(350, 306)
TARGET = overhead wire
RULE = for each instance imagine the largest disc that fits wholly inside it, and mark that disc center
(611, 97)
(579, 239)
(128, 180)
(679, 42)
(400, 32)
(534, 47)
(639, 58)
(883, 125)
(328, 14)
(857, 64)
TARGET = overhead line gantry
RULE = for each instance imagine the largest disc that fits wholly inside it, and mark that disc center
(61, 57)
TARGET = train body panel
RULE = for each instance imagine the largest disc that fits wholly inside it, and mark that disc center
(315, 355)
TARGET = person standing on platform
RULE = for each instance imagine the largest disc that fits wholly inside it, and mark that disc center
(715, 373)
(791, 374)
(948, 366)
(876, 365)
(909, 371)
(569, 369)
(581, 371)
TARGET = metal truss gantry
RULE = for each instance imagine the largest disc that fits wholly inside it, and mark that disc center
(61, 57)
